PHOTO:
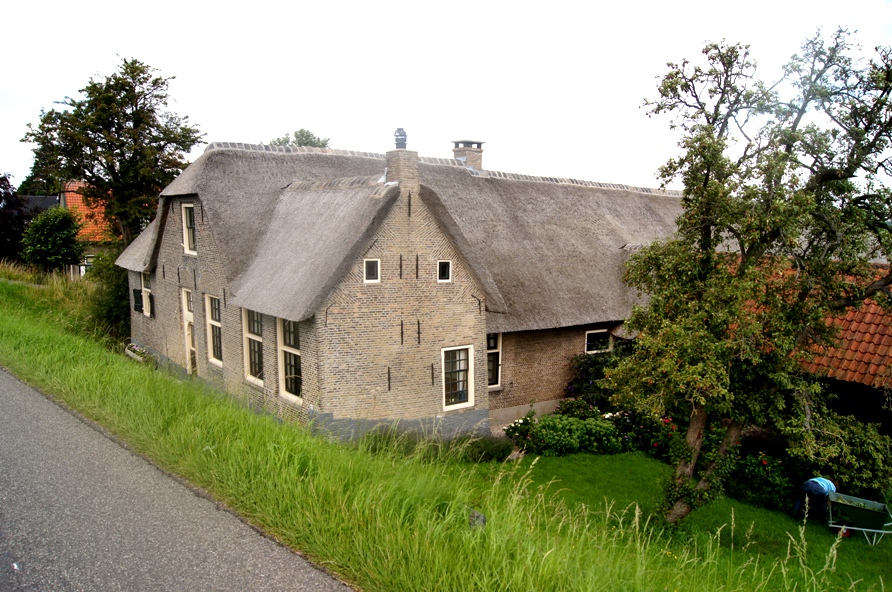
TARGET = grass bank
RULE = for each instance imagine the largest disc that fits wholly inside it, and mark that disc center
(380, 519)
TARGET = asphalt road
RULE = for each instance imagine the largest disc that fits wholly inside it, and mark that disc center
(80, 512)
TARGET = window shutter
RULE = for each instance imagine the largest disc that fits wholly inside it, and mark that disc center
(152, 306)
(137, 300)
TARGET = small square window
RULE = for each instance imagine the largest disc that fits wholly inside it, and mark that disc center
(598, 342)
(371, 271)
(444, 271)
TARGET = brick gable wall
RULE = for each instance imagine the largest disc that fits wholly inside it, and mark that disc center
(398, 327)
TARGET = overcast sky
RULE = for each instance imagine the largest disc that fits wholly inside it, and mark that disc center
(554, 88)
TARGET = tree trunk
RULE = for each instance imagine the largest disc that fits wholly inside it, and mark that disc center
(694, 439)
(684, 471)
(682, 506)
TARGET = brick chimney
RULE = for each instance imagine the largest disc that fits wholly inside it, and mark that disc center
(402, 164)
(469, 152)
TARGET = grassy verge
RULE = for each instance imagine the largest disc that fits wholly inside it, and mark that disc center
(377, 518)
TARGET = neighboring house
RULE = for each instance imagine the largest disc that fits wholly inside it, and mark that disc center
(357, 288)
(40, 203)
(858, 369)
(95, 230)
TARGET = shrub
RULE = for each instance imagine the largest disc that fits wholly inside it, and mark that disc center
(50, 240)
(588, 370)
(578, 408)
(487, 449)
(852, 453)
(761, 480)
(600, 437)
(111, 306)
(519, 430)
(639, 431)
(556, 435)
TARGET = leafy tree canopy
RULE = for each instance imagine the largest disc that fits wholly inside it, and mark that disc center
(785, 208)
(50, 240)
(301, 137)
(120, 139)
(14, 215)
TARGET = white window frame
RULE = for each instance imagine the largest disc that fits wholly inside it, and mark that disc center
(248, 336)
(189, 233)
(470, 377)
(599, 351)
(449, 279)
(189, 330)
(365, 275)
(283, 349)
(497, 350)
(210, 324)
(146, 288)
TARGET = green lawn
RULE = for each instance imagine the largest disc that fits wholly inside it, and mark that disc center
(628, 479)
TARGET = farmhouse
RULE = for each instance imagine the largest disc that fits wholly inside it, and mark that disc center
(353, 288)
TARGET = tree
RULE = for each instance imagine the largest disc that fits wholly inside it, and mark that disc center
(50, 240)
(14, 215)
(301, 137)
(119, 139)
(784, 211)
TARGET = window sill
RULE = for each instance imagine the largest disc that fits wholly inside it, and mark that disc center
(458, 406)
(254, 381)
(217, 363)
(496, 388)
(294, 399)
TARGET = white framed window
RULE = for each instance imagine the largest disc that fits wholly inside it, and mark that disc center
(189, 229)
(598, 342)
(189, 331)
(444, 271)
(493, 359)
(290, 377)
(371, 271)
(148, 302)
(214, 322)
(86, 264)
(252, 329)
(458, 376)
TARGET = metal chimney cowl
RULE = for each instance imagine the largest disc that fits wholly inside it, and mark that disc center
(400, 138)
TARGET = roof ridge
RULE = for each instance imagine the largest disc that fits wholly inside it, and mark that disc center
(568, 181)
(341, 183)
(287, 149)
(314, 150)
(433, 160)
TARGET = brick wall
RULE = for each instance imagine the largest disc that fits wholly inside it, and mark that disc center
(535, 370)
(381, 344)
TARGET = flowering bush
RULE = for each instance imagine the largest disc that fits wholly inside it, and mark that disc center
(761, 480)
(556, 435)
(519, 430)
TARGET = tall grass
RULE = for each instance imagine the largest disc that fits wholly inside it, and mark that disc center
(378, 517)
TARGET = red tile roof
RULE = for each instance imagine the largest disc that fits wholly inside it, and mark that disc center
(863, 352)
(95, 228)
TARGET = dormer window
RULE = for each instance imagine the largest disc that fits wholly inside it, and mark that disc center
(189, 229)
(371, 271)
(444, 271)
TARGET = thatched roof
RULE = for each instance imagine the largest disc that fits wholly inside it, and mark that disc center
(288, 221)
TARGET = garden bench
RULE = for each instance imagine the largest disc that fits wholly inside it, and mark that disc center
(853, 513)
